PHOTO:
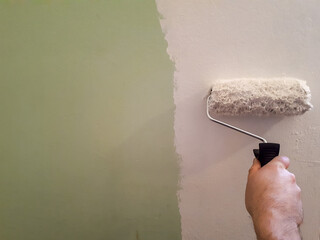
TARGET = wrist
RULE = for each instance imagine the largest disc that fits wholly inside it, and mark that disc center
(288, 235)
(271, 227)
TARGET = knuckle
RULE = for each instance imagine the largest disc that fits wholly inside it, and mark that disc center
(298, 189)
(293, 177)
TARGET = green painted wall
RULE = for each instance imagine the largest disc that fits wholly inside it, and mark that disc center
(86, 144)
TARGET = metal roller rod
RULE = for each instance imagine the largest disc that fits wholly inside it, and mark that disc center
(233, 127)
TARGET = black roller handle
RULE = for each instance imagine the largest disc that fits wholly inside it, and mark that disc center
(266, 152)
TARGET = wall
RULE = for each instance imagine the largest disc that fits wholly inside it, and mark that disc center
(86, 143)
(226, 39)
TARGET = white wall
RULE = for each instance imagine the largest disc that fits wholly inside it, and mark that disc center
(224, 39)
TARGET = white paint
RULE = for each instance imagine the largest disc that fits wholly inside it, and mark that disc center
(212, 39)
(259, 97)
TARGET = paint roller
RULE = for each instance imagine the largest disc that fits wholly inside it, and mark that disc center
(258, 97)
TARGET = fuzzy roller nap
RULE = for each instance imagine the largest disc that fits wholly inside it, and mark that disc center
(259, 97)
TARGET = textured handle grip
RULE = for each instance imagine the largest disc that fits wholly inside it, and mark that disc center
(266, 152)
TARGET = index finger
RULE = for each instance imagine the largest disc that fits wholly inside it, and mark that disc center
(255, 166)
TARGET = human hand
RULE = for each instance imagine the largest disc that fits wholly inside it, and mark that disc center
(273, 199)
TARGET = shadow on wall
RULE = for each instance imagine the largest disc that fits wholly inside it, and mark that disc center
(143, 184)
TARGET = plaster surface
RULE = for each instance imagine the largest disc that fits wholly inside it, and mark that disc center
(208, 40)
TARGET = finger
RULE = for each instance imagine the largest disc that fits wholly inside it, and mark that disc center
(283, 160)
(255, 166)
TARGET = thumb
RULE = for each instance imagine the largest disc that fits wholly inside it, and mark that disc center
(255, 166)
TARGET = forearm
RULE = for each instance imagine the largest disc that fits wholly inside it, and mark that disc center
(292, 235)
(270, 229)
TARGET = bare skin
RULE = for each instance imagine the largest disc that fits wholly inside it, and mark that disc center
(273, 199)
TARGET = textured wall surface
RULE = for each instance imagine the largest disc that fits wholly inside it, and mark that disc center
(86, 126)
(229, 39)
